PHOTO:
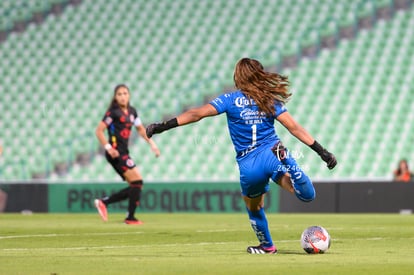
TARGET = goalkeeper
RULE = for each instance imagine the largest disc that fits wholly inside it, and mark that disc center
(251, 111)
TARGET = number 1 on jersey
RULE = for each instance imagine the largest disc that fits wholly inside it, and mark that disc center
(254, 135)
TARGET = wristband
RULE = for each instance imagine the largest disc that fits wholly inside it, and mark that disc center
(172, 123)
(317, 147)
(166, 125)
(108, 146)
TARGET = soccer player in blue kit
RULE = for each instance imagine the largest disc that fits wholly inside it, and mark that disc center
(251, 111)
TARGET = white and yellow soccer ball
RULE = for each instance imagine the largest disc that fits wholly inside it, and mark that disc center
(315, 239)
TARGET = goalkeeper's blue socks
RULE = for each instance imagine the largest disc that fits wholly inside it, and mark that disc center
(260, 227)
(304, 189)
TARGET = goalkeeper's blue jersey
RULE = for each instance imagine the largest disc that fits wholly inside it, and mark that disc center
(249, 128)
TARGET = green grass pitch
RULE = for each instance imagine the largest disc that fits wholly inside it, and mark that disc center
(202, 244)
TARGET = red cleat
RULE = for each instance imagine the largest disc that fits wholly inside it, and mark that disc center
(133, 221)
(101, 207)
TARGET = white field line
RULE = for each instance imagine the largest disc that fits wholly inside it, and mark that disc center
(146, 245)
(218, 230)
(117, 246)
(67, 235)
(98, 234)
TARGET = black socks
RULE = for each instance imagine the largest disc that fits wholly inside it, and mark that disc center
(119, 196)
(134, 195)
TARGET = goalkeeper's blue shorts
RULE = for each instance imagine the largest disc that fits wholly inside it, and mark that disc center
(256, 168)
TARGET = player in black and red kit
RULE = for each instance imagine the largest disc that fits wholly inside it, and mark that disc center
(118, 121)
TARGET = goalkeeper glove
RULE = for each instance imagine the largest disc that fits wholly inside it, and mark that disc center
(326, 156)
(156, 128)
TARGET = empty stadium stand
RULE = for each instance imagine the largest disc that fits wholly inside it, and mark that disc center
(349, 62)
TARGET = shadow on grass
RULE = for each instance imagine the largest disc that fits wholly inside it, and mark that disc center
(301, 253)
(291, 252)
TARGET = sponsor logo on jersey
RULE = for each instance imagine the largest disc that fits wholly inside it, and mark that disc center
(241, 101)
(130, 163)
(245, 152)
(249, 113)
(125, 133)
(108, 120)
(217, 101)
(252, 116)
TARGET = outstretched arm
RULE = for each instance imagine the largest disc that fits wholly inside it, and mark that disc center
(196, 114)
(300, 133)
(295, 128)
(190, 116)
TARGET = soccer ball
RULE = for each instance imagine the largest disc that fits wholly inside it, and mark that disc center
(315, 239)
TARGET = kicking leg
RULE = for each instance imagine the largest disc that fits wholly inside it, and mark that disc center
(302, 185)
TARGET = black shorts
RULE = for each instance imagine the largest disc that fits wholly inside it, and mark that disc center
(121, 164)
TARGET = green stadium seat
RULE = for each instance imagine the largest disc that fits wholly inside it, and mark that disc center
(6, 24)
(74, 60)
(40, 6)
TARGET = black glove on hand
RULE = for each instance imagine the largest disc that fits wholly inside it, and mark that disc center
(329, 158)
(326, 156)
(156, 128)
(153, 128)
